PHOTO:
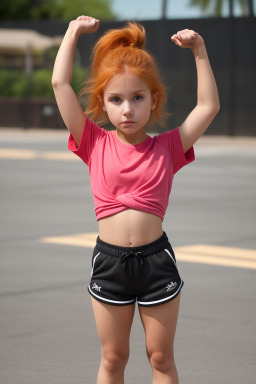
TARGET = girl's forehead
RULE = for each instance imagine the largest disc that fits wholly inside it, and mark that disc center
(127, 81)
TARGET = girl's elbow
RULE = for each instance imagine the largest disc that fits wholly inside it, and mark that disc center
(218, 104)
(215, 109)
(55, 82)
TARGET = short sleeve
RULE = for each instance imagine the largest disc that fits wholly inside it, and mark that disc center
(178, 157)
(92, 133)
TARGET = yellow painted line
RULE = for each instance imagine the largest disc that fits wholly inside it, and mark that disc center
(212, 254)
(213, 250)
(27, 154)
(203, 254)
(205, 259)
(78, 240)
(23, 154)
(59, 156)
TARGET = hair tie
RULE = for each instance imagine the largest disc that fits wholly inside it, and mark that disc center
(135, 45)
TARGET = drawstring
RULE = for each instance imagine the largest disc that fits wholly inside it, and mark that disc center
(126, 255)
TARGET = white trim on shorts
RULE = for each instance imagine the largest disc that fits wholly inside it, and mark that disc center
(95, 257)
(108, 300)
(145, 303)
(174, 262)
(169, 297)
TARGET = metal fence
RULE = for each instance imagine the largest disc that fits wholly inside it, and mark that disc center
(230, 45)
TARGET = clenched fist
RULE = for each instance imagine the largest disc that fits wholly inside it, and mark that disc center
(85, 24)
(187, 39)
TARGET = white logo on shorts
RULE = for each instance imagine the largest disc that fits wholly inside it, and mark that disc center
(96, 287)
(171, 286)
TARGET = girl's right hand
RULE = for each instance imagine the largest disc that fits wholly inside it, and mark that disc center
(85, 24)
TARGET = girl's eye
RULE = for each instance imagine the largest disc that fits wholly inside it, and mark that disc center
(116, 99)
(138, 97)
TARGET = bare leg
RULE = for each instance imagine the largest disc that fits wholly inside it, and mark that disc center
(159, 323)
(114, 326)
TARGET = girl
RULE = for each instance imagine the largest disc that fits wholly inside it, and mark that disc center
(131, 176)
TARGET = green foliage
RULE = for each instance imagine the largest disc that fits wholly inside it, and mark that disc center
(15, 83)
(41, 83)
(54, 9)
(78, 78)
(20, 9)
(68, 10)
(216, 6)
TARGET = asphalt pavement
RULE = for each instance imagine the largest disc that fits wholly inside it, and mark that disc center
(47, 228)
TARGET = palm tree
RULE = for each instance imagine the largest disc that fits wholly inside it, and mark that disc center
(218, 5)
(164, 9)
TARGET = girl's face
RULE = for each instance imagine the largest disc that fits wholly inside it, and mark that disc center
(128, 102)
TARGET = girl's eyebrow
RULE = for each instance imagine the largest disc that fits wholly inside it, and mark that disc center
(140, 90)
(119, 94)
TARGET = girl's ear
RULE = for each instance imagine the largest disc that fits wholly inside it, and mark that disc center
(155, 97)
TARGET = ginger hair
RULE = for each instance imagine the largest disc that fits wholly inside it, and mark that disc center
(115, 51)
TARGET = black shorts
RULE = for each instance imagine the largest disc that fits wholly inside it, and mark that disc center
(122, 275)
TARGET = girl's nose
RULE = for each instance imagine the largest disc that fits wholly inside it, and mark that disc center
(128, 111)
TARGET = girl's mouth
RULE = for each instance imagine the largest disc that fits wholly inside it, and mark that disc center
(128, 122)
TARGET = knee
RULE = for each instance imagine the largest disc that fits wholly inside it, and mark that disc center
(114, 361)
(161, 361)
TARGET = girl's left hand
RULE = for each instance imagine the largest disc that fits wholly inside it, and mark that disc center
(187, 39)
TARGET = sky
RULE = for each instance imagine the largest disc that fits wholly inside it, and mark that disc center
(151, 9)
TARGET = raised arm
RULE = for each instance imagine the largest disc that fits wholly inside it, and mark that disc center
(207, 94)
(66, 98)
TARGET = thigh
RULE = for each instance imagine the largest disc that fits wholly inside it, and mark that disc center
(159, 323)
(113, 325)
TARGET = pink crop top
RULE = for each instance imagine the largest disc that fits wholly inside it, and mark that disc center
(130, 176)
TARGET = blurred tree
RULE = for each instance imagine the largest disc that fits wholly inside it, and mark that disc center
(217, 6)
(54, 9)
(15, 83)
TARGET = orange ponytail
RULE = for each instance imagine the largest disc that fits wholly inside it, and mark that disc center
(113, 52)
(131, 36)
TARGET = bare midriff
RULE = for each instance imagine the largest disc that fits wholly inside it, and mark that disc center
(130, 228)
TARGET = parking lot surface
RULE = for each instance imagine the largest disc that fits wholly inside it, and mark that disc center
(47, 231)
